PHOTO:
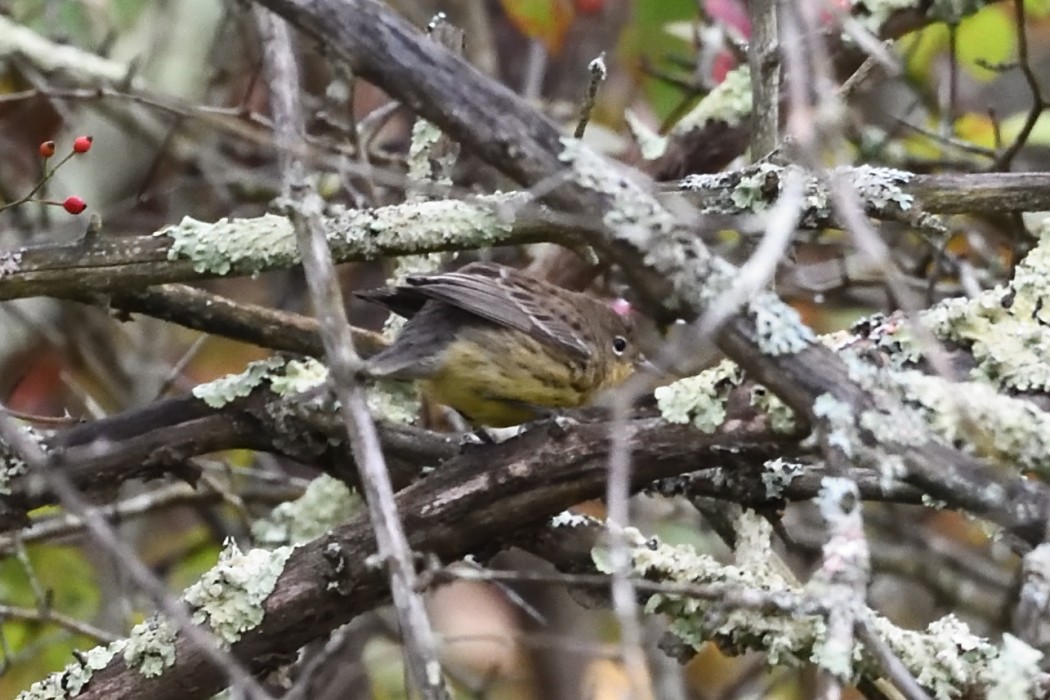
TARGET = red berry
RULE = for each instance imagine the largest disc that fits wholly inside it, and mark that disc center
(589, 7)
(47, 149)
(74, 205)
(82, 144)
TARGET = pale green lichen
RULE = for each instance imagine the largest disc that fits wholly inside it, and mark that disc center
(1006, 328)
(901, 427)
(431, 157)
(750, 193)
(896, 338)
(569, 519)
(635, 215)
(934, 503)
(781, 418)
(816, 201)
(699, 399)
(780, 328)
(878, 187)
(778, 474)
(151, 647)
(244, 245)
(892, 468)
(691, 400)
(754, 536)
(68, 682)
(1014, 671)
(756, 188)
(637, 219)
(12, 466)
(836, 499)
(268, 242)
(326, 503)
(395, 401)
(867, 375)
(947, 658)
(1030, 284)
(297, 376)
(964, 320)
(222, 391)
(479, 222)
(229, 598)
(425, 137)
(650, 142)
(729, 102)
(10, 262)
(982, 421)
(840, 423)
(710, 182)
(835, 655)
(782, 638)
(414, 265)
(1018, 358)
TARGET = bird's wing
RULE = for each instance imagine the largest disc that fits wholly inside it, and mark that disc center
(507, 297)
(403, 301)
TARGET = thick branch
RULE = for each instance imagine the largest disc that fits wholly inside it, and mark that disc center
(471, 505)
(194, 250)
(122, 265)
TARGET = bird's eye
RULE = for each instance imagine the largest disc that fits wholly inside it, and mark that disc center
(619, 344)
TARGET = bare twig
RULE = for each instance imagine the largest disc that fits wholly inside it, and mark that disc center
(891, 665)
(598, 73)
(624, 597)
(99, 635)
(344, 365)
(1039, 103)
(763, 55)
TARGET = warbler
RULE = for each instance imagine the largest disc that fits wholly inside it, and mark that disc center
(502, 347)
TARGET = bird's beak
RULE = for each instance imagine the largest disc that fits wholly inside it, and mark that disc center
(642, 364)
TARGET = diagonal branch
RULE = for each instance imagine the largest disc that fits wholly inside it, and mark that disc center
(678, 277)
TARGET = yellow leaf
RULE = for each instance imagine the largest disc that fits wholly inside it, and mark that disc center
(921, 47)
(605, 679)
(977, 129)
(546, 21)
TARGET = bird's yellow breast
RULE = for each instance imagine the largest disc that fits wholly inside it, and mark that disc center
(500, 377)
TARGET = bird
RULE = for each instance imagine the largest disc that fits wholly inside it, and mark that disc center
(502, 347)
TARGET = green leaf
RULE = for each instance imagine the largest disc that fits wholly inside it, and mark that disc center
(989, 37)
(1012, 125)
(646, 38)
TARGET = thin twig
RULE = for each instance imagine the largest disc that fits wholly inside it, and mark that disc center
(598, 73)
(618, 499)
(891, 665)
(1034, 85)
(763, 53)
(344, 365)
(72, 624)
